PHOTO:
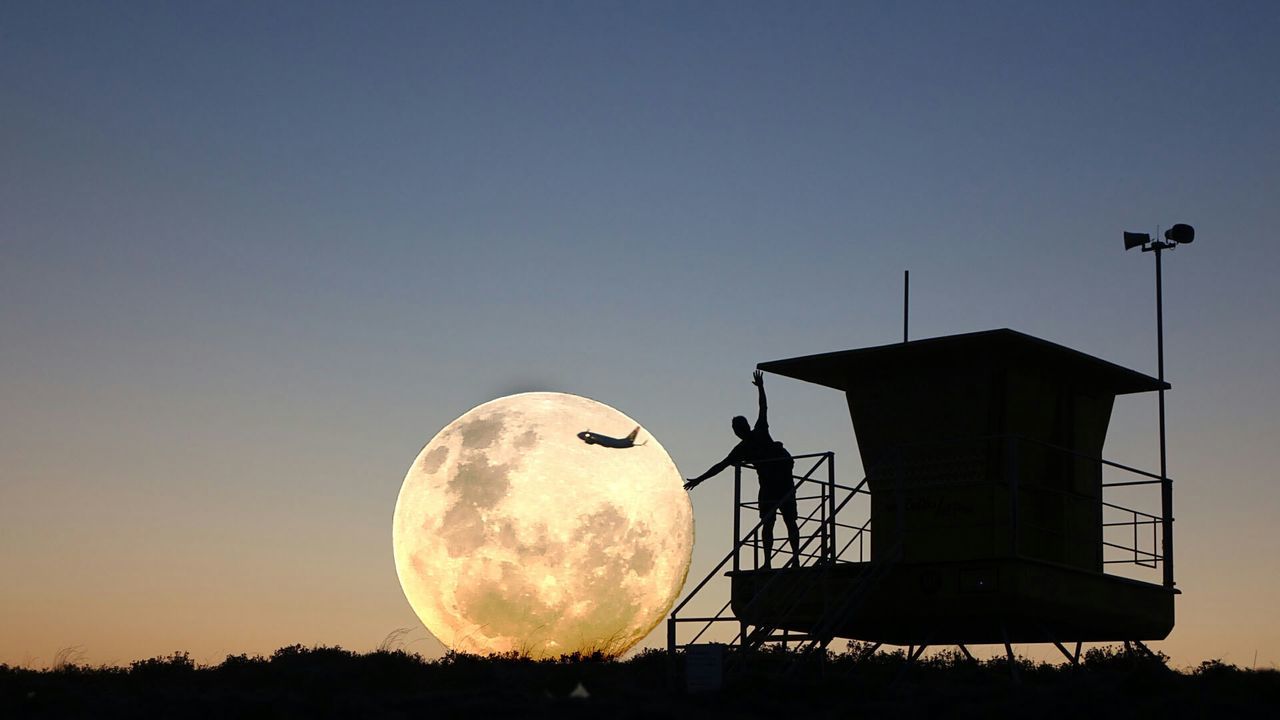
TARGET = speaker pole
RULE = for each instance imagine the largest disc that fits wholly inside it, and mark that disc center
(1179, 234)
(1166, 486)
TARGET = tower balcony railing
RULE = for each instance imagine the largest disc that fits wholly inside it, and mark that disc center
(835, 518)
(825, 538)
(1045, 484)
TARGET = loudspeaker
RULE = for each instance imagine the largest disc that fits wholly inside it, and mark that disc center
(1180, 233)
(1133, 240)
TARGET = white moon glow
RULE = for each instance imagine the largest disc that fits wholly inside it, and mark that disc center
(512, 534)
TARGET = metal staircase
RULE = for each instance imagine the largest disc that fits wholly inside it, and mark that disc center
(828, 547)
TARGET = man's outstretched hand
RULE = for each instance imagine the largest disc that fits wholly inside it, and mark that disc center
(690, 484)
(757, 378)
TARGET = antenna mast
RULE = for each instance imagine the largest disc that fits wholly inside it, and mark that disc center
(906, 301)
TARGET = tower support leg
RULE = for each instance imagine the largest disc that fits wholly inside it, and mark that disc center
(1008, 652)
(1073, 658)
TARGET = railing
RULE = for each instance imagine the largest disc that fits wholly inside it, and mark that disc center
(1141, 557)
(1030, 470)
(1129, 521)
(819, 500)
(823, 509)
(1130, 512)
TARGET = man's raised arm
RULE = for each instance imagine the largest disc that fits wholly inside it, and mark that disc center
(762, 420)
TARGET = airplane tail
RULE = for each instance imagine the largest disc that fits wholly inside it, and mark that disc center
(632, 437)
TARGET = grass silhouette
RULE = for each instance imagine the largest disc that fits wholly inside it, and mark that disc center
(324, 681)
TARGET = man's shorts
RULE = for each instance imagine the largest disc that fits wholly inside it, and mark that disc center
(775, 496)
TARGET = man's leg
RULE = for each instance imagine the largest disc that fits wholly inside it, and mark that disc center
(793, 529)
(767, 517)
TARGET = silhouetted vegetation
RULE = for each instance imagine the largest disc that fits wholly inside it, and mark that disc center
(297, 681)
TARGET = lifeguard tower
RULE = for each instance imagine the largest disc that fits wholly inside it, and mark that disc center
(990, 516)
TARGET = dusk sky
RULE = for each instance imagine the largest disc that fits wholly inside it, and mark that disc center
(254, 255)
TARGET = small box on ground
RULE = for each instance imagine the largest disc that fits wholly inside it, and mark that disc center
(704, 667)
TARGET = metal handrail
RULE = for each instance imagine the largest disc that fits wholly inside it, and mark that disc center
(924, 470)
(1010, 443)
(740, 541)
(1141, 557)
(826, 504)
(1131, 510)
(837, 510)
(768, 633)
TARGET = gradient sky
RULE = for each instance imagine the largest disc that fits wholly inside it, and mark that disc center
(253, 256)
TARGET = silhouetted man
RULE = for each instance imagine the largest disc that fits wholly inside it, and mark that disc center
(773, 466)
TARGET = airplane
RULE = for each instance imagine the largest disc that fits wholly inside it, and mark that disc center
(591, 438)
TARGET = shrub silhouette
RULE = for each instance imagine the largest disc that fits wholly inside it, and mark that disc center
(179, 664)
(299, 681)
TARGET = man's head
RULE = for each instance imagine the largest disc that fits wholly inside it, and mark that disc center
(741, 427)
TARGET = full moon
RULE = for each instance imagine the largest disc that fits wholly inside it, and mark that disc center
(511, 534)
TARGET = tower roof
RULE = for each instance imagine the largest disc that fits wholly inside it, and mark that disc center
(1004, 347)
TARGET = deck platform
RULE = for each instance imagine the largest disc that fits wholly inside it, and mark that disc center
(947, 603)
